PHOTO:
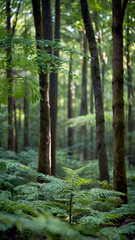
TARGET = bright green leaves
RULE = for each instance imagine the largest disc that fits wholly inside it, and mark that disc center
(73, 179)
(26, 64)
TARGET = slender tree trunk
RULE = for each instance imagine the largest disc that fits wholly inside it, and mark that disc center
(120, 183)
(26, 104)
(92, 142)
(19, 120)
(26, 119)
(54, 90)
(130, 94)
(16, 129)
(95, 71)
(70, 107)
(10, 34)
(11, 142)
(1, 124)
(84, 110)
(103, 57)
(44, 164)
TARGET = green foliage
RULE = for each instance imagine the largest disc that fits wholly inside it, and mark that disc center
(87, 119)
(45, 225)
(25, 67)
(36, 208)
(91, 167)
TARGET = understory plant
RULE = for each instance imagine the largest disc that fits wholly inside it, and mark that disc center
(54, 208)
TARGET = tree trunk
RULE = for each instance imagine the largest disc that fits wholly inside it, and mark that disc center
(130, 95)
(44, 164)
(26, 104)
(70, 108)
(95, 71)
(84, 110)
(11, 142)
(92, 140)
(26, 119)
(16, 129)
(120, 183)
(10, 34)
(103, 57)
(54, 90)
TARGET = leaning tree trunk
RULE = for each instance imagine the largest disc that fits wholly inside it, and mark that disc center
(95, 71)
(44, 163)
(54, 90)
(120, 183)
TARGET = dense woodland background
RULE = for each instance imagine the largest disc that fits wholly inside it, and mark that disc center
(67, 135)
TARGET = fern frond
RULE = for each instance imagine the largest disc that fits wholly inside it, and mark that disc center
(127, 228)
(118, 232)
(104, 193)
(45, 224)
(110, 233)
(72, 177)
(14, 166)
(18, 208)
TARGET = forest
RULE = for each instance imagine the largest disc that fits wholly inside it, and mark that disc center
(67, 135)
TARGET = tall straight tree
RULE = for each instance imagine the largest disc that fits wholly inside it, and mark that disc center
(11, 141)
(84, 78)
(84, 109)
(11, 100)
(92, 152)
(70, 107)
(54, 89)
(44, 165)
(120, 182)
(26, 118)
(26, 104)
(95, 71)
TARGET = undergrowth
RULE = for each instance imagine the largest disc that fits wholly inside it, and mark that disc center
(74, 207)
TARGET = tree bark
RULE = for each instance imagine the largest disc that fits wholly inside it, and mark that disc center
(95, 71)
(84, 109)
(120, 182)
(44, 164)
(54, 91)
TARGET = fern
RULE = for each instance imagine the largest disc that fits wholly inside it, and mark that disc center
(104, 193)
(72, 200)
(73, 179)
(118, 232)
(45, 225)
